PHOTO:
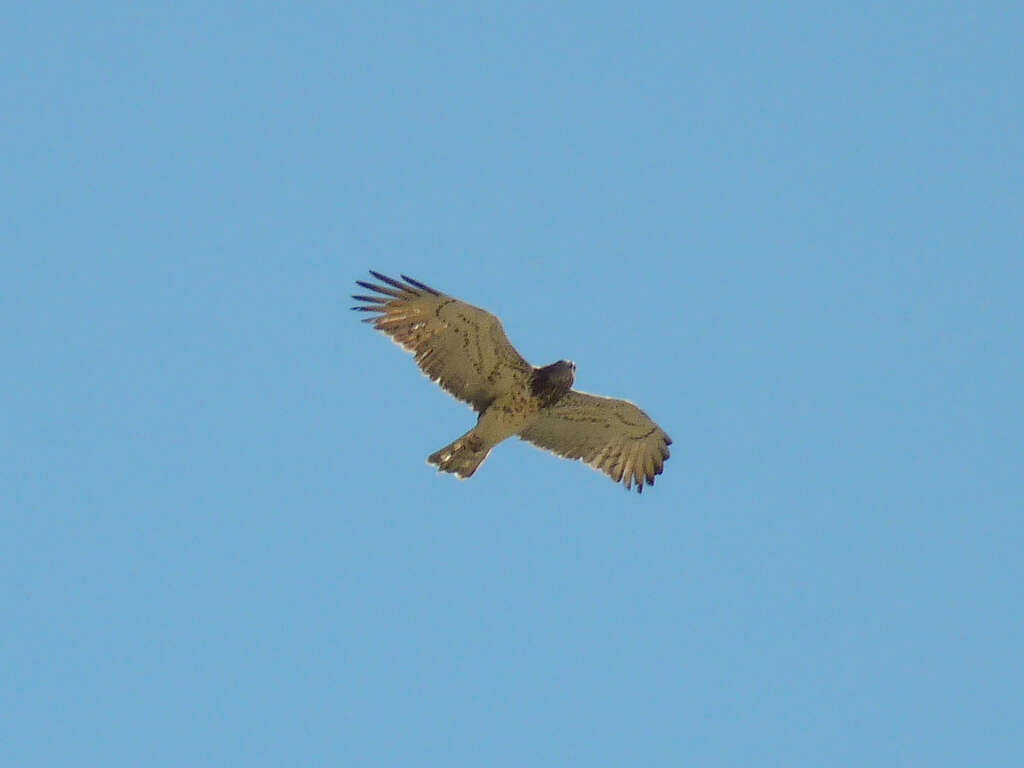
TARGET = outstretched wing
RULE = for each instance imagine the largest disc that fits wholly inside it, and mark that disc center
(461, 347)
(613, 436)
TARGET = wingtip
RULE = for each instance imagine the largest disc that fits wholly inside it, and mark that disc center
(421, 286)
(392, 282)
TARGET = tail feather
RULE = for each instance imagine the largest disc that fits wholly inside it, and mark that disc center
(461, 457)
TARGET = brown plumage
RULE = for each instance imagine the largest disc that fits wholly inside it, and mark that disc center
(464, 349)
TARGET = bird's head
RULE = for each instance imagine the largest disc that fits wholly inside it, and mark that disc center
(551, 382)
(562, 373)
(569, 368)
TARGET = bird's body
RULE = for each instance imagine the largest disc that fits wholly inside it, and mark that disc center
(509, 414)
(465, 350)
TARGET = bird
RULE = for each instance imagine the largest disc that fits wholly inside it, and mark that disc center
(464, 349)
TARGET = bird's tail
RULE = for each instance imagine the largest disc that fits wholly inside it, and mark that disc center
(461, 457)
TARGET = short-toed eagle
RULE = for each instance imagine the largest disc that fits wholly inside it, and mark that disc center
(464, 349)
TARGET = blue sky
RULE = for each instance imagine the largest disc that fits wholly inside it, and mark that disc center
(792, 234)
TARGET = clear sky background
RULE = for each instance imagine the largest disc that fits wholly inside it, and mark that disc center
(792, 234)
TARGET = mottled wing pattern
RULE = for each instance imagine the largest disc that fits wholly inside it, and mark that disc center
(613, 436)
(461, 347)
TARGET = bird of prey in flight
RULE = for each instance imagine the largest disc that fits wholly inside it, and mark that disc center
(464, 349)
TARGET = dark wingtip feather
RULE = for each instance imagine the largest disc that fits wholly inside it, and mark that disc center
(420, 285)
(391, 281)
(403, 294)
